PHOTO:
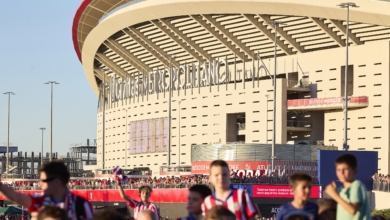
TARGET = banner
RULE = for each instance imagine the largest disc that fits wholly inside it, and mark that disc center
(203, 167)
(280, 191)
(258, 168)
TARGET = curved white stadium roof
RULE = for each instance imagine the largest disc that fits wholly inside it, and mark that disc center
(137, 37)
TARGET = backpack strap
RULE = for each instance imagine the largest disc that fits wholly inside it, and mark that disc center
(79, 207)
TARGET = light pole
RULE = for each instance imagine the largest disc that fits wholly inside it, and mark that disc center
(51, 116)
(275, 24)
(126, 139)
(266, 125)
(179, 132)
(42, 146)
(170, 107)
(346, 5)
(9, 117)
(104, 119)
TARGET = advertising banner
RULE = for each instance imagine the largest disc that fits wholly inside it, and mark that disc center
(280, 191)
(203, 167)
(257, 168)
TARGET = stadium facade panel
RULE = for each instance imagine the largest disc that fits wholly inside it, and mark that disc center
(221, 76)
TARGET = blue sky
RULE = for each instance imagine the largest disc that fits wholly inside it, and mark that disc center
(36, 47)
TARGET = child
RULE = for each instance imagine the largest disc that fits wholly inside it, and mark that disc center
(52, 213)
(235, 200)
(144, 193)
(352, 202)
(300, 184)
(194, 204)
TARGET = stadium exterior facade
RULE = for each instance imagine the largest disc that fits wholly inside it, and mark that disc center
(221, 76)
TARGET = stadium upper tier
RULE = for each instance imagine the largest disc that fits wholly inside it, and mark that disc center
(127, 37)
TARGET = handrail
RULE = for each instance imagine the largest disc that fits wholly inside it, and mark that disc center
(298, 124)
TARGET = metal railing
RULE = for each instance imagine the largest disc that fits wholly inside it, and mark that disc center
(383, 186)
(297, 84)
(241, 126)
(298, 124)
(234, 181)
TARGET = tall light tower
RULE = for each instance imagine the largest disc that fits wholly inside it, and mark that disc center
(104, 119)
(9, 117)
(42, 129)
(346, 5)
(170, 107)
(275, 24)
(51, 116)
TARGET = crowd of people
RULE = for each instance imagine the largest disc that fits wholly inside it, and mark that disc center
(381, 182)
(57, 202)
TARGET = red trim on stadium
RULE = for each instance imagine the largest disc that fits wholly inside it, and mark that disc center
(75, 26)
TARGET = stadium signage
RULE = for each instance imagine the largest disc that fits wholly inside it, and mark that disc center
(259, 168)
(188, 76)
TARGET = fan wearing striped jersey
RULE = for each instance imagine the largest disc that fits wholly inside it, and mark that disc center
(235, 200)
(53, 177)
(144, 193)
(194, 204)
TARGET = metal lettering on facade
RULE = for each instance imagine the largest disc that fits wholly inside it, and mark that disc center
(194, 75)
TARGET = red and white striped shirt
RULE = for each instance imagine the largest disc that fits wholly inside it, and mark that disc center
(238, 202)
(70, 204)
(139, 206)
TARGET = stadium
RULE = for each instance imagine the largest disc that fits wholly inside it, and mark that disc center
(183, 82)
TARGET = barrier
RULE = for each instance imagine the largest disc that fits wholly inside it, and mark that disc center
(180, 195)
(111, 195)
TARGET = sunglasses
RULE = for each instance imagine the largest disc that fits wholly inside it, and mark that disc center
(48, 179)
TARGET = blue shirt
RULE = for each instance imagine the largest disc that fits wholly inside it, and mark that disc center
(310, 211)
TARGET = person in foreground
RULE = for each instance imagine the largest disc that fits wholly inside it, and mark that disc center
(235, 200)
(110, 214)
(147, 214)
(300, 184)
(351, 197)
(144, 193)
(219, 213)
(53, 179)
(194, 204)
(52, 213)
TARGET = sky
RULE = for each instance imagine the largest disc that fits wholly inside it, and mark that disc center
(35, 47)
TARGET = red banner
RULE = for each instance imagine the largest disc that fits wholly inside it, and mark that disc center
(203, 167)
(280, 191)
(326, 101)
